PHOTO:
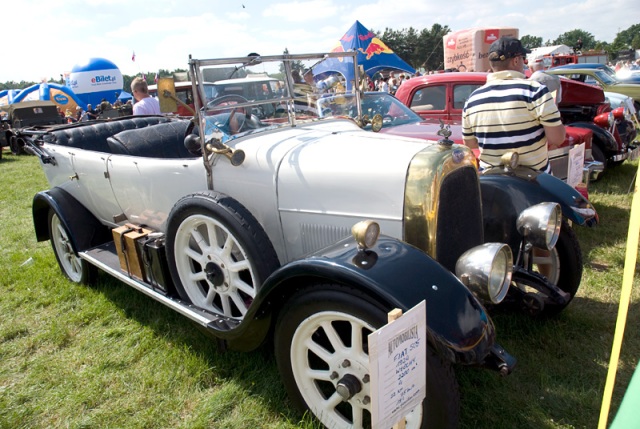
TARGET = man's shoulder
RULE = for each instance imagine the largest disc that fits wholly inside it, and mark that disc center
(506, 75)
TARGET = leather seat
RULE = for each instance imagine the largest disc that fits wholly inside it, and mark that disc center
(94, 136)
(157, 141)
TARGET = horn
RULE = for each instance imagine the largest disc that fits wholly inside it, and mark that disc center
(236, 156)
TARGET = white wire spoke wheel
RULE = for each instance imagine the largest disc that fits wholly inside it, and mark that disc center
(215, 271)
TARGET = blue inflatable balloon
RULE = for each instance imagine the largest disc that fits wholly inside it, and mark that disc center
(94, 80)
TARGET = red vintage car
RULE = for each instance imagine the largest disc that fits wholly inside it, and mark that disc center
(583, 107)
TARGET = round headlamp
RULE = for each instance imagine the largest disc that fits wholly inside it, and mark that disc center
(486, 270)
(618, 112)
(376, 122)
(366, 233)
(540, 224)
(510, 159)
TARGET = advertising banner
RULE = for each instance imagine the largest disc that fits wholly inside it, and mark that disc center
(468, 50)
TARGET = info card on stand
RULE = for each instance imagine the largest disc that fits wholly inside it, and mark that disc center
(576, 165)
(398, 365)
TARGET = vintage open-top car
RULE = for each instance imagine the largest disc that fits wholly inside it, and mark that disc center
(260, 220)
(25, 114)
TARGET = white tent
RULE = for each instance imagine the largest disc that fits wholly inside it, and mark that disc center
(537, 53)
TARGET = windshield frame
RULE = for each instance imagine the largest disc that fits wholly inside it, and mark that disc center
(604, 77)
(288, 97)
(215, 140)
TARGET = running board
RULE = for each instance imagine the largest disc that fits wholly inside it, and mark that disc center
(105, 258)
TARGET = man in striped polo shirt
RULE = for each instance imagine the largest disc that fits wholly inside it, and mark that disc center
(511, 113)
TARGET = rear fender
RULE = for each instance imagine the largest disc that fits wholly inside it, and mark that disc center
(394, 275)
(85, 230)
(506, 194)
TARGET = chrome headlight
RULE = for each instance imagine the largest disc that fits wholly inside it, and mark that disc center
(611, 119)
(540, 224)
(486, 270)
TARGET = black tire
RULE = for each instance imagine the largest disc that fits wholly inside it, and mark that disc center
(568, 273)
(342, 308)
(220, 279)
(16, 149)
(73, 267)
(598, 154)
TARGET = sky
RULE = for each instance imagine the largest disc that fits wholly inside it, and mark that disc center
(43, 39)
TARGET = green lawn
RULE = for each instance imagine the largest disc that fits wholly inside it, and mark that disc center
(108, 357)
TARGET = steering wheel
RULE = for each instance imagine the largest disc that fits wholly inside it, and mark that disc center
(227, 100)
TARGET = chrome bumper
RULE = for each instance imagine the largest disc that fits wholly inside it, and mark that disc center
(634, 152)
(592, 171)
(631, 153)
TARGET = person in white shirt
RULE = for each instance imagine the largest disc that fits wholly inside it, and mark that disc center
(145, 104)
(384, 85)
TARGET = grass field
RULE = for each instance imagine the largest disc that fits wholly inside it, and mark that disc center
(108, 357)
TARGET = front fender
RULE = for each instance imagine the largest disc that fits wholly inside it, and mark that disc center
(506, 193)
(395, 275)
(604, 137)
(85, 231)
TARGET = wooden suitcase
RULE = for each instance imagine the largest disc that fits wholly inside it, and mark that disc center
(125, 238)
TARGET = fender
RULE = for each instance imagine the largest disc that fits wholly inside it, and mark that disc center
(85, 230)
(600, 134)
(395, 275)
(506, 193)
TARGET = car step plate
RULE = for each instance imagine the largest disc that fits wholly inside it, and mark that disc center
(105, 258)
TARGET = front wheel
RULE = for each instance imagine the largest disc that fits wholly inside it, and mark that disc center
(562, 266)
(321, 343)
(598, 154)
(15, 147)
(76, 269)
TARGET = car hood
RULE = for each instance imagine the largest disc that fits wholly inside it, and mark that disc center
(579, 93)
(426, 130)
(318, 174)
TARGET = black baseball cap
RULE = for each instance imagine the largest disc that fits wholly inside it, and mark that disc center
(506, 47)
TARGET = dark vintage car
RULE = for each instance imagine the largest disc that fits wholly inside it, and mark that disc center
(256, 86)
(581, 106)
(26, 114)
(262, 225)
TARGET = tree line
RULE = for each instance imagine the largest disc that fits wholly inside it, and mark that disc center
(424, 49)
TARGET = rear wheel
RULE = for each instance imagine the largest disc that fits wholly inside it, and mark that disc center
(76, 269)
(322, 353)
(218, 253)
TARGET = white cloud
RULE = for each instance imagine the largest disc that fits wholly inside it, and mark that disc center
(50, 37)
(303, 11)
